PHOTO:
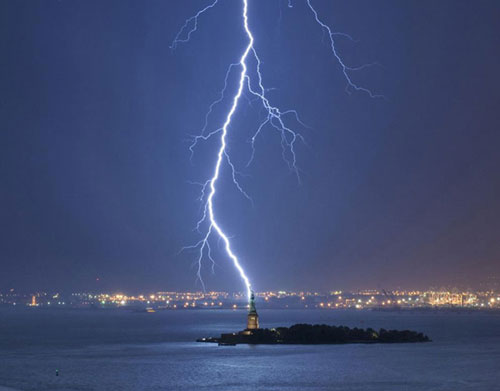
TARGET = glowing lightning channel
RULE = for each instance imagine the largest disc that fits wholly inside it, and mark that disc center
(220, 155)
(274, 118)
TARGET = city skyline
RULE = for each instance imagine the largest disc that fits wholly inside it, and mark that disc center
(486, 299)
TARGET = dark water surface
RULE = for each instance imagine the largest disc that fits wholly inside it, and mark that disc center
(123, 350)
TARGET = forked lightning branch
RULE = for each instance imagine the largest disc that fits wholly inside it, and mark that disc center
(275, 118)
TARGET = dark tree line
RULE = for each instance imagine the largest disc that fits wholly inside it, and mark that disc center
(324, 334)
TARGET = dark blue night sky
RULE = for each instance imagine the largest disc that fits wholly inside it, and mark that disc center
(96, 112)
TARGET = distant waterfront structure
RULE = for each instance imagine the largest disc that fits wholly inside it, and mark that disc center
(253, 317)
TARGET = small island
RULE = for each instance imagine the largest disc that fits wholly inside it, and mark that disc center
(307, 334)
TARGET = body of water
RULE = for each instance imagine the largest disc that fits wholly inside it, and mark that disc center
(132, 351)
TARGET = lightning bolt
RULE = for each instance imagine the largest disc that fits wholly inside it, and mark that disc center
(274, 117)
